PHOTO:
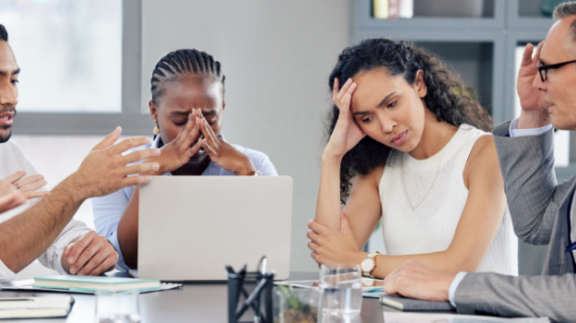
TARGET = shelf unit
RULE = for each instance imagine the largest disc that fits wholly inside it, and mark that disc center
(489, 68)
(503, 29)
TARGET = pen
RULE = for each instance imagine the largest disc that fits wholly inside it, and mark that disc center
(264, 265)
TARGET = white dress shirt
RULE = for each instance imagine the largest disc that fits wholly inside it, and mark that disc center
(513, 133)
(12, 160)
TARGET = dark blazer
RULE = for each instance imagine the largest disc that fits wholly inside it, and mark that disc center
(540, 210)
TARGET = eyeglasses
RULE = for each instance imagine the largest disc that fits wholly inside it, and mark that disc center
(543, 69)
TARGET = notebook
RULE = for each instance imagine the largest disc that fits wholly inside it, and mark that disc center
(35, 307)
(410, 304)
(91, 283)
(454, 318)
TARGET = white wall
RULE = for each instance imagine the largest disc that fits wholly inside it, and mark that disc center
(276, 56)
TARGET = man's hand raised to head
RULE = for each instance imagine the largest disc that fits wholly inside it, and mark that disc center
(104, 170)
(534, 110)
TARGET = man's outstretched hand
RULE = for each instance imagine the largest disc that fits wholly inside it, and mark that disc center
(104, 170)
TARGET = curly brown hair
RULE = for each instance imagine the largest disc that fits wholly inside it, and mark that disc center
(447, 97)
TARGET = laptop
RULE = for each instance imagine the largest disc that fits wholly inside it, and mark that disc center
(192, 227)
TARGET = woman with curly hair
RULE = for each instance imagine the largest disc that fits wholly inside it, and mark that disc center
(409, 147)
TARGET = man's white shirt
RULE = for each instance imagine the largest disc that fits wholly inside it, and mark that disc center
(12, 160)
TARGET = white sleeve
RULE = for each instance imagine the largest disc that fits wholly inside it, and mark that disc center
(454, 286)
(51, 257)
(526, 132)
(6, 274)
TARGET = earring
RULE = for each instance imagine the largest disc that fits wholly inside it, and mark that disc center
(156, 130)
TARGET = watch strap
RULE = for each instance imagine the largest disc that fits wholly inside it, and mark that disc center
(373, 257)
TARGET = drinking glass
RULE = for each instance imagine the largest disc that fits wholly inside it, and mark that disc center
(117, 307)
(340, 290)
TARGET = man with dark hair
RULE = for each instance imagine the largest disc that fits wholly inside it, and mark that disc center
(543, 211)
(3, 34)
(43, 229)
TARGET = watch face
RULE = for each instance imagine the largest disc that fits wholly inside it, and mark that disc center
(367, 265)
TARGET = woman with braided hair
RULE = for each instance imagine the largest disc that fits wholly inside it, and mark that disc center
(409, 147)
(187, 107)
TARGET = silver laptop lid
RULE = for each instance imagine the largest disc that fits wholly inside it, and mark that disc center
(191, 227)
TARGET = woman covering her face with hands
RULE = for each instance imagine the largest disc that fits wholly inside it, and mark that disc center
(407, 147)
(187, 107)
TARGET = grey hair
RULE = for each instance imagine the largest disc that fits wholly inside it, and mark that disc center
(564, 10)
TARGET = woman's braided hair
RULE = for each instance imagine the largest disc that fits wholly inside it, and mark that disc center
(184, 61)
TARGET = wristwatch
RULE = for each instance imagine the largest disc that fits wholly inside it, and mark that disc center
(368, 264)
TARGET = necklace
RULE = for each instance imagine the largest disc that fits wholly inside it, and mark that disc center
(433, 182)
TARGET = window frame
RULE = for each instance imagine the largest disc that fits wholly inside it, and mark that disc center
(131, 118)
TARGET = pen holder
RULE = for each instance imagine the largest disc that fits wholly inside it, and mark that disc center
(250, 292)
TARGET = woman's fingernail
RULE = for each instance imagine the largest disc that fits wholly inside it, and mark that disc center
(155, 166)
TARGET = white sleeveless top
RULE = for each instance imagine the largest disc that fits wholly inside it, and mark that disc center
(438, 184)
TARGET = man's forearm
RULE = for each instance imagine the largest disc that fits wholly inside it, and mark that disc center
(527, 165)
(541, 296)
(26, 236)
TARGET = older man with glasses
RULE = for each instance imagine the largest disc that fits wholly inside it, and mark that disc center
(543, 211)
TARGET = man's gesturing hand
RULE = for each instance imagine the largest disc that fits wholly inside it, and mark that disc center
(91, 255)
(104, 170)
(413, 279)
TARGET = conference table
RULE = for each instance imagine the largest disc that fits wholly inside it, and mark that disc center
(193, 302)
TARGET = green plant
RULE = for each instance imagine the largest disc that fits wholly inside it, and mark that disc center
(297, 311)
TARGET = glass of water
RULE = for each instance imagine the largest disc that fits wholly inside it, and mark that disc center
(117, 307)
(340, 290)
